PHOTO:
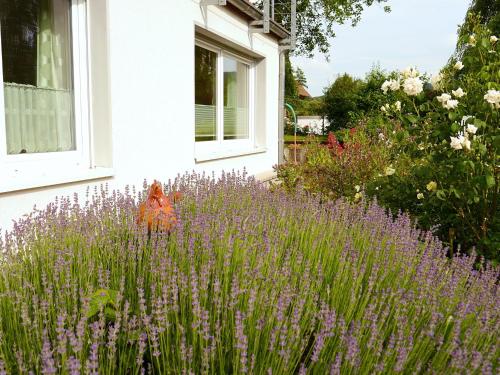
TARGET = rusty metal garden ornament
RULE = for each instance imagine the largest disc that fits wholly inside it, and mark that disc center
(158, 211)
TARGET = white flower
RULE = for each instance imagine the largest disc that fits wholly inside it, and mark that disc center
(389, 171)
(493, 39)
(458, 93)
(397, 105)
(385, 86)
(443, 98)
(451, 104)
(420, 196)
(432, 186)
(381, 136)
(410, 72)
(391, 84)
(471, 129)
(357, 188)
(413, 86)
(493, 97)
(458, 65)
(456, 143)
(395, 85)
(383, 109)
(472, 40)
(436, 81)
(466, 143)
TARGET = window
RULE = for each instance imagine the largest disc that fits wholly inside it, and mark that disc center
(223, 98)
(43, 71)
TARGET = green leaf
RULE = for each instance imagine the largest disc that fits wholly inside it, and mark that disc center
(490, 180)
(101, 299)
(455, 127)
(453, 116)
(441, 194)
(412, 118)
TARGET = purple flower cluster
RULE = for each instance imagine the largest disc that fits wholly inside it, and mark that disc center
(249, 281)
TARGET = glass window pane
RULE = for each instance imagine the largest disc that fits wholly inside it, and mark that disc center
(235, 99)
(36, 62)
(205, 95)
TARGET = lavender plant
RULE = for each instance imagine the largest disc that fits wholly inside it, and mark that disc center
(249, 281)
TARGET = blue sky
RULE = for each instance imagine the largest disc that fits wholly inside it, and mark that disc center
(416, 32)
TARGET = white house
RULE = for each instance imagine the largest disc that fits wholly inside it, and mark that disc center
(115, 91)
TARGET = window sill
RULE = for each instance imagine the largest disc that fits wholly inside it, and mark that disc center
(29, 180)
(226, 154)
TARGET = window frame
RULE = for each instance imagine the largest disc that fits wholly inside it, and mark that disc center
(220, 145)
(14, 164)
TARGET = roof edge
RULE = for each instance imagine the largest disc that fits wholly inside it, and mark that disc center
(244, 6)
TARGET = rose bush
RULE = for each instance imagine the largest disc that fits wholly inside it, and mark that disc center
(450, 141)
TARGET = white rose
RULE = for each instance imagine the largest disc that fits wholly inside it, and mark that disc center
(466, 143)
(436, 81)
(443, 98)
(458, 65)
(395, 85)
(493, 97)
(389, 171)
(413, 86)
(458, 93)
(385, 86)
(456, 143)
(397, 105)
(451, 104)
(471, 129)
(420, 196)
(472, 40)
(493, 39)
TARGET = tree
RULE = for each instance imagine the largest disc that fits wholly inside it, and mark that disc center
(300, 77)
(316, 20)
(290, 82)
(340, 100)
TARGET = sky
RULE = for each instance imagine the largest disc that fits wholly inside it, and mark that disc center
(420, 33)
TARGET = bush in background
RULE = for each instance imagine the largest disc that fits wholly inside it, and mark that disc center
(336, 171)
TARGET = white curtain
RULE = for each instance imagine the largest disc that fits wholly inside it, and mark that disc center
(40, 118)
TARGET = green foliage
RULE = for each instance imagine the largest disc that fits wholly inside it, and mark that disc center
(336, 172)
(290, 82)
(341, 100)
(349, 101)
(454, 191)
(300, 77)
(316, 20)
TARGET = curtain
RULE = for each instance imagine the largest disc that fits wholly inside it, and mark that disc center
(39, 118)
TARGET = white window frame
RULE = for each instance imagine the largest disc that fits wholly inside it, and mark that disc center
(52, 163)
(205, 150)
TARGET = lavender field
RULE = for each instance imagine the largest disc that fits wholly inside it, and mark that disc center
(249, 281)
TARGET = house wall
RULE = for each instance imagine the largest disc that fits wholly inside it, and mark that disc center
(151, 101)
(315, 123)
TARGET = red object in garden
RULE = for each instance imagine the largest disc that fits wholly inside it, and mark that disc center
(333, 144)
(157, 211)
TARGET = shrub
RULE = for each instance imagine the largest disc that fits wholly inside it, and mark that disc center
(452, 137)
(335, 171)
(248, 281)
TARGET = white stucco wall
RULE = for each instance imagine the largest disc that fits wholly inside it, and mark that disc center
(151, 52)
(315, 123)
